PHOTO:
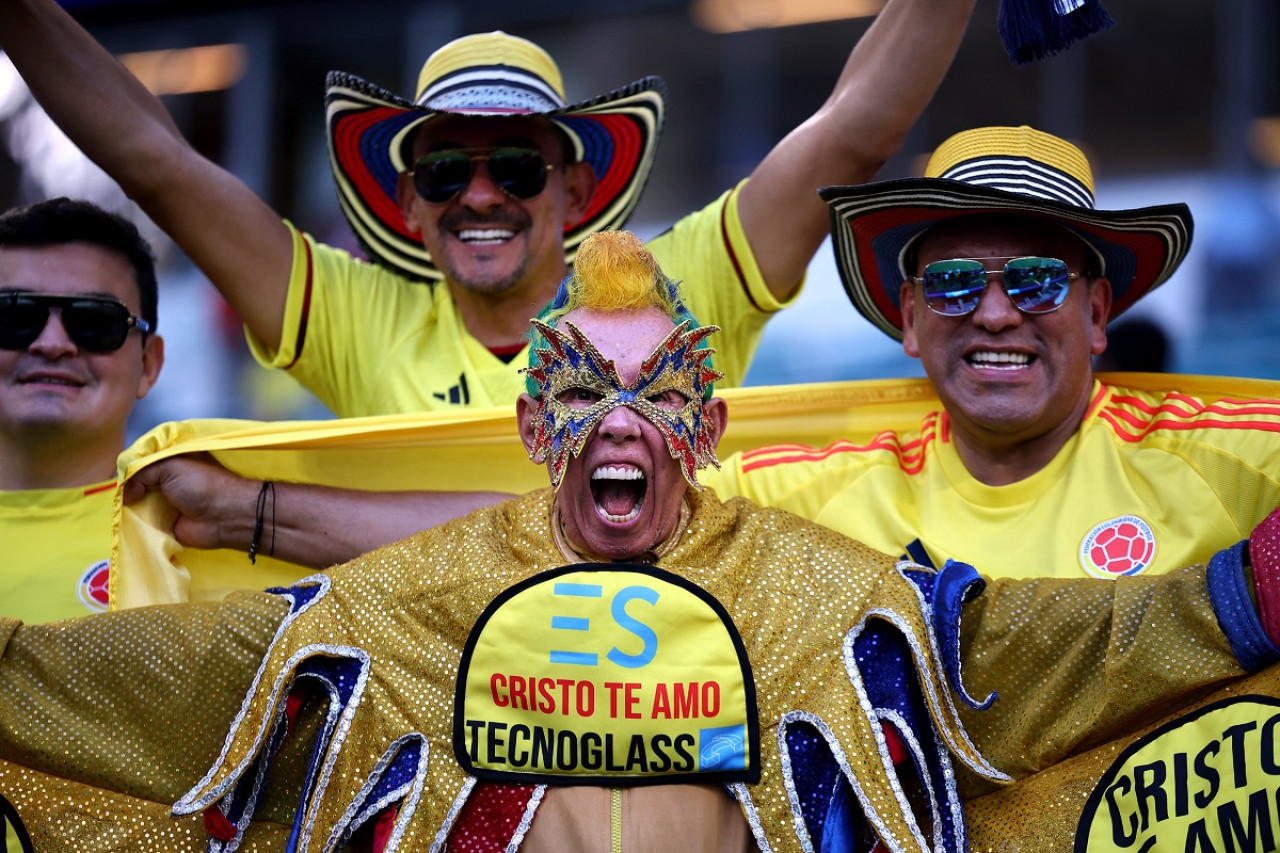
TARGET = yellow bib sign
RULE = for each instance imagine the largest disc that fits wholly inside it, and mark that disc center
(13, 835)
(1207, 782)
(606, 673)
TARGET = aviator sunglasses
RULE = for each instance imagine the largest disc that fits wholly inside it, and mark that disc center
(1034, 285)
(93, 323)
(519, 172)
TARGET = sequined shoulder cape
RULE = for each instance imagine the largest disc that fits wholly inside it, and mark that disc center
(385, 633)
(107, 718)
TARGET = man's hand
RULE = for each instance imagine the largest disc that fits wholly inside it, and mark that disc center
(216, 508)
(311, 525)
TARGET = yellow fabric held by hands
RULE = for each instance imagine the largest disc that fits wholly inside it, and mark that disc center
(474, 449)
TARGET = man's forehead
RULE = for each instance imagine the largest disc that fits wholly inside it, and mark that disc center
(69, 269)
(981, 236)
(625, 337)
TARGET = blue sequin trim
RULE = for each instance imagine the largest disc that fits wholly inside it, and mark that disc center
(956, 584)
(1237, 615)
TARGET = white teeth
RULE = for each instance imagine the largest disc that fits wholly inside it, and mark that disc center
(613, 472)
(620, 519)
(619, 472)
(1000, 360)
(485, 235)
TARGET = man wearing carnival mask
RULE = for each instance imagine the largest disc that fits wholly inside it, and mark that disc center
(620, 658)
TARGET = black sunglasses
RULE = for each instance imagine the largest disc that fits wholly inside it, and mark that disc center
(93, 323)
(519, 172)
(954, 288)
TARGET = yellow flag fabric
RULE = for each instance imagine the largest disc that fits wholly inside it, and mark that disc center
(473, 449)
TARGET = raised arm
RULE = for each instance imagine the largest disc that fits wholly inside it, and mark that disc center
(891, 74)
(240, 243)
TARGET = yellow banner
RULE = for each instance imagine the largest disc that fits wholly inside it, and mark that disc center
(473, 449)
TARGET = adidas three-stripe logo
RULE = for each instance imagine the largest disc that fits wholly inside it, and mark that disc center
(457, 395)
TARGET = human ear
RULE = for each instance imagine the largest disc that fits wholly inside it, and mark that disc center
(579, 187)
(152, 361)
(907, 304)
(716, 413)
(527, 422)
(1099, 311)
(407, 198)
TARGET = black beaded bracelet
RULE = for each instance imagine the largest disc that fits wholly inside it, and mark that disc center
(267, 487)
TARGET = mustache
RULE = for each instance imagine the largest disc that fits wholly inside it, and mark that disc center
(28, 369)
(457, 219)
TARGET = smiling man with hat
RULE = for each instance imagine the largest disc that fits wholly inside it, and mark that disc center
(485, 182)
(998, 272)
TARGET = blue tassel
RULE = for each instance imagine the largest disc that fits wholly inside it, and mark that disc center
(1034, 29)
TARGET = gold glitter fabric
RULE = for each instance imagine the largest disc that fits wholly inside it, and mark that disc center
(401, 615)
(62, 816)
(1105, 722)
(1090, 661)
(1201, 778)
(106, 720)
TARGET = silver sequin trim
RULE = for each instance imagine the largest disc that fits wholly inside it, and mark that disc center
(948, 776)
(360, 811)
(929, 612)
(324, 741)
(743, 795)
(526, 819)
(251, 805)
(788, 778)
(837, 752)
(442, 834)
(339, 737)
(188, 805)
(941, 706)
(970, 756)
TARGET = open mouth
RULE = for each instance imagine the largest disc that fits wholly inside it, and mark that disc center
(999, 360)
(618, 491)
(485, 236)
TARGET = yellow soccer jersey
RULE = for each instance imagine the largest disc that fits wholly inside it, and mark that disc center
(57, 544)
(1150, 482)
(369, 342)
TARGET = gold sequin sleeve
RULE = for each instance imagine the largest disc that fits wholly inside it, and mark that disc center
(1077, 662)
(121, 713)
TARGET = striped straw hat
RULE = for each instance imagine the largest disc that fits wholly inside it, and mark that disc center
(1010, 170)
(490, 74)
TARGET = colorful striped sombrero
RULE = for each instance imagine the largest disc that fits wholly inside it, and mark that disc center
(371, 136)
(1010, 170)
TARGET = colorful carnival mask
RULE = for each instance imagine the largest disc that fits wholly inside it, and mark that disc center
(571, 361)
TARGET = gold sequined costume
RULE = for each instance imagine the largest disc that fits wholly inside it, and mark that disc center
(105, 719)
